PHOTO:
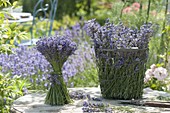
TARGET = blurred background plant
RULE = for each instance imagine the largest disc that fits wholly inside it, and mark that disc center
(10, 34)
(160, 44)
(10, 87)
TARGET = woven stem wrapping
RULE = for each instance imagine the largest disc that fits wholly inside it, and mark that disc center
(58, 93)
(121, 73)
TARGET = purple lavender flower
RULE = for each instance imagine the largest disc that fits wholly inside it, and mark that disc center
(96, 99)
(85, 104)
(25, 91)
(96, 107)
(27, 63)
(110, 36)
(56, 48)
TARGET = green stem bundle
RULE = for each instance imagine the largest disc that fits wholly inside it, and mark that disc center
(58, 93)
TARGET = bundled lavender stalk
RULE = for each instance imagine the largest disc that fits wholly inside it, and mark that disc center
(56, 50)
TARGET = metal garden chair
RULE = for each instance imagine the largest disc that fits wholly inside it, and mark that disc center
(46, 17)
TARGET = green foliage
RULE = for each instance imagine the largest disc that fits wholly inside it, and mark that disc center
(28, 5)
(166, 44)
(123, 109)
(40, 29)
(157, 55)
(134, 20)
(4, 3)
(65, 7)
(163, 98)
(10, 89)
(87, 78)
(154, 46)
(102, 9)
(156, 85)
(10, 33)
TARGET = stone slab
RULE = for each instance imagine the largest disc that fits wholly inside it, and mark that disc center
(34, 103)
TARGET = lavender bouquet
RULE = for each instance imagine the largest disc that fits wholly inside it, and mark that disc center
(121, 54)
(56, 50)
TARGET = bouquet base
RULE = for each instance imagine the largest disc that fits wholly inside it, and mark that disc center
(58, 94)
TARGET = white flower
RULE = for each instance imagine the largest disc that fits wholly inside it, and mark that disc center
(160, 73)
(153, 67)
(148, 75)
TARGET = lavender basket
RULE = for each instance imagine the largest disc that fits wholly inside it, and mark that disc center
(121, 72)
(121, 54)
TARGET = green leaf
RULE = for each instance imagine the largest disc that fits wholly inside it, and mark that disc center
(153, 86)
(168, 53)
(15, 4)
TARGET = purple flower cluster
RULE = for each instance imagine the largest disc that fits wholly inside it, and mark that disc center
(76, 95)
(110, 36)
(96, 107)
(26, 63)
(76, 33)
(80, 61)
(29, 63)
(90, 106)
(56, 49)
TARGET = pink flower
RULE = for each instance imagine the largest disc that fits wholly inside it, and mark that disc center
(136, 5)
(127, 10)
(148, 75)
(160, 73)
(136, 9)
